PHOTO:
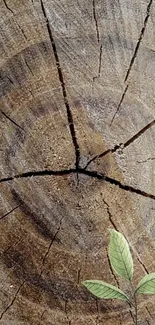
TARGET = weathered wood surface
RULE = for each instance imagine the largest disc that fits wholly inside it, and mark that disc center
(77, 79)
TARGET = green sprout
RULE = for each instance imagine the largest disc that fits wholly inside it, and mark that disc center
(122, 263)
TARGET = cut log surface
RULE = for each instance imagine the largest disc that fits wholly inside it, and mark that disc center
(77, 85)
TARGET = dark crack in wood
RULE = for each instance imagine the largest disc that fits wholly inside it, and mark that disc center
(12, 301)
(139, 40)
(50, 245)
(63, 87)
(100, 61)
(138, 134)
(9, 79)
(28, 67)
(11, 120)
(142, 264)
(8, 8)
(89, 173)
(21, 30)
(144, 161)
(132, 315)
(97, 309)
(42, 315)
(148, 311)
(6, 251)
(122, 145)
(40, 173)
(96, 22)
(102, 155)
(109, 214)
(115, 182)
(98, 40)
(31, 93)
(120, 103)
(8, 213)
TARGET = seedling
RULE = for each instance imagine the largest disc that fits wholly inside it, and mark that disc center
(122, 263)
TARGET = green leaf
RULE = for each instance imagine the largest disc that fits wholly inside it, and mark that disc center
(120, 256)
(147, 284)
(104, 290)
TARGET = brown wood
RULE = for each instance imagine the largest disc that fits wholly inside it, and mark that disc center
(77, 90)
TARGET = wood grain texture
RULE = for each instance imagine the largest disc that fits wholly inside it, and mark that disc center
(77, 156)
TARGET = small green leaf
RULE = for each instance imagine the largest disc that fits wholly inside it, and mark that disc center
(147, 284)
(120, 256)
(104, 290)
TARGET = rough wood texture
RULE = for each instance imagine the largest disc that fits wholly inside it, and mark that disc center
(77, 89)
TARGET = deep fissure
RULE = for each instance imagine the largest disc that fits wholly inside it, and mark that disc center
(139, 40)
(120, 103)
(142, 264)
(96, 23)
(12, 301)
(109, 214)
(79, 171)
(122, 145)
(8, 8)
(11, 120)
(64, 92)
(100, 61)
(7, 213)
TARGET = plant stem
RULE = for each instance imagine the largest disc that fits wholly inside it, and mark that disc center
(136, 312)
(135, 303)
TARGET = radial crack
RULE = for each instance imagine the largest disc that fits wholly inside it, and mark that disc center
(110, 215)
(137, 135)
(102, 155)
(12, 121)
(42, 315)
(98, 40)
(100, 61)
(132, 316)
(121, 145)
(115, 182)
(6, 214)
(120, 103)
(96, 22)
(83, 171)
(28, 67)
(9, 79)
(12, 301)
(97, 309)
(40, 173)
(63, 87)
(8, 7)
(142, 264)
(21, 30)
(148, 312)
(143, 161)
(139, 40)
(50, 245)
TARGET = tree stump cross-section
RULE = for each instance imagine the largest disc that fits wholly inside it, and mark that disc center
(77, 156)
